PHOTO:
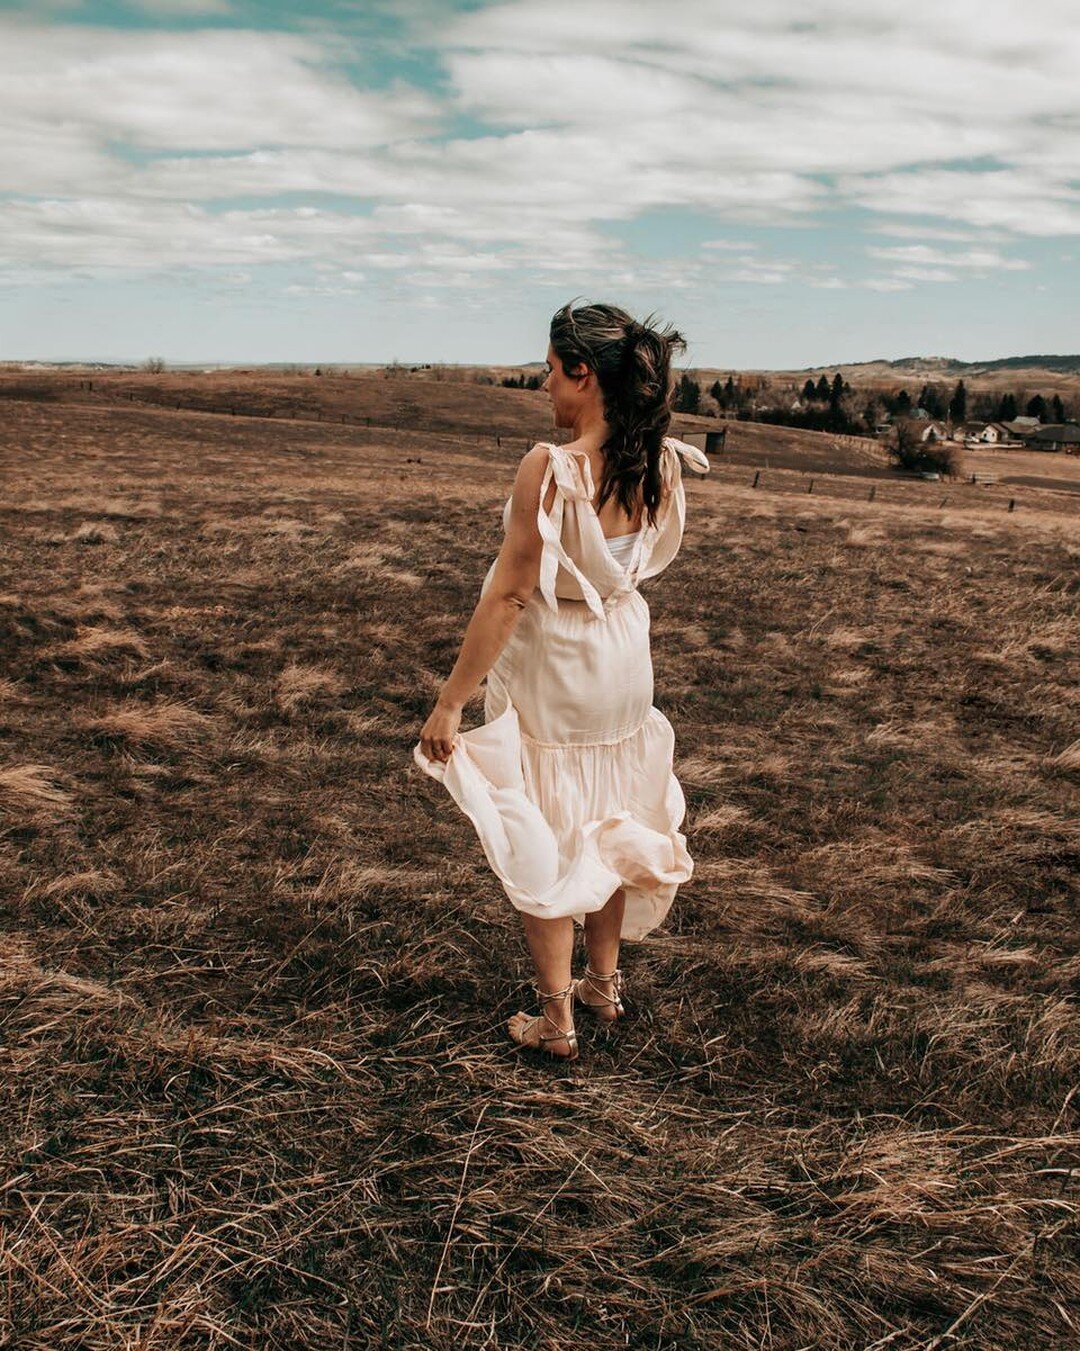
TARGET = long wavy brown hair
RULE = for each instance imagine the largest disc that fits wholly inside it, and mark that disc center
(632, 362)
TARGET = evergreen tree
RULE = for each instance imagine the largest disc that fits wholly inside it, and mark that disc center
(930, 399)
(808, 391)
(687, 395)
(1057, 408)
(823, 389)
(958, 402)
(716, 389)
(1006, 409)
(836, 392)
(1036, 407)
(902, 404)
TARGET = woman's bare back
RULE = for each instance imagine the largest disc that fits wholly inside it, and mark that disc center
(614, 520)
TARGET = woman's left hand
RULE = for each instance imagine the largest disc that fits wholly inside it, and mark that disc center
(437, 734)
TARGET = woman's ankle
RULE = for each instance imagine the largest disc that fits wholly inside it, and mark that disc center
(559, 1012)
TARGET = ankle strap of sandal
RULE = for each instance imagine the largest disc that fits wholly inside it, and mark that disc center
(599, 975)
(543, 996)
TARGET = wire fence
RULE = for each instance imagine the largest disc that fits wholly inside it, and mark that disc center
(967, 493)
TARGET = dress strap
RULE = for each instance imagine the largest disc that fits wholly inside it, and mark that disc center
(567, 484)
(671, 478)
(697, 459)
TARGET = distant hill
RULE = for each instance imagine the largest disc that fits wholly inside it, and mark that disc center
(1065, 365)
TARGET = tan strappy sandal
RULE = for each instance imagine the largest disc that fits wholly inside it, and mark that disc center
(613, 1001)
(569, 1037)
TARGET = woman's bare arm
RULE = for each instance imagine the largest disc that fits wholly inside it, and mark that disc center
(513, 581)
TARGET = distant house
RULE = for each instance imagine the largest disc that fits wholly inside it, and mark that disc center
(1020, 426)
(1055, 436)
(992, 434)
(920, 414)
(933, 432)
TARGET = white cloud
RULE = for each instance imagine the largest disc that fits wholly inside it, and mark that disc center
(926, 273)
(868, 89)
(1016, 201)
(884, 284)
(174, 8)
(982, 260)
(903, 230)
(223, 89)
(116, 144)
(158, 8)
(114, 232)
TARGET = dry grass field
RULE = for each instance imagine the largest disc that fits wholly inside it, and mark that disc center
(257, 1090)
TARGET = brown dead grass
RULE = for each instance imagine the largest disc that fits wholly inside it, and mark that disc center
(96, 645)
(96, 532)
(299, 684)
(165, 725)
(32, 794)
(1069, 758)
(254, 969)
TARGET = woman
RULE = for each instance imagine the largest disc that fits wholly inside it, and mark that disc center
(569, 782)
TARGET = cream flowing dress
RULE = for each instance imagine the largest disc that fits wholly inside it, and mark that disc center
(569, 782)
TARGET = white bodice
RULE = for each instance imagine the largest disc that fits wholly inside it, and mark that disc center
(578, 561)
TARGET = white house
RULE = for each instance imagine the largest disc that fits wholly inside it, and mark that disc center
(993, 434)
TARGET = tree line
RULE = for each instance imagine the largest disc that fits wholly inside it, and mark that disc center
(984, 406)
(832, 405)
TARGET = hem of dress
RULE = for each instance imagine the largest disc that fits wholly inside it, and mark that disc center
(484, 776)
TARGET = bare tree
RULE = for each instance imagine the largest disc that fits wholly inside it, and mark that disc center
(909, 451)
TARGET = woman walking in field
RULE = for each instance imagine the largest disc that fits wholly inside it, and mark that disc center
(569, 782)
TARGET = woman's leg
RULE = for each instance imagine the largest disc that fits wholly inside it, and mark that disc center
(551, 942)
(602, 930)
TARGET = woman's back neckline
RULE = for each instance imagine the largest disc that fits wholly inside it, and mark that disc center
(579, 454)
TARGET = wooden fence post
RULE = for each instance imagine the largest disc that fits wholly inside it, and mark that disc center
(757, 475)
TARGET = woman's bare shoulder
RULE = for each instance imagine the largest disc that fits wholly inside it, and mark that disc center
(529, 478)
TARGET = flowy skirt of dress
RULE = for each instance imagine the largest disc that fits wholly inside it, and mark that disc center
(570, 783)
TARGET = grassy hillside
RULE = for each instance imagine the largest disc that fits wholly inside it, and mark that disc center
(256, 1085)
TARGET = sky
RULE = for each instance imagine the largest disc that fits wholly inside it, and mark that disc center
(790, 184)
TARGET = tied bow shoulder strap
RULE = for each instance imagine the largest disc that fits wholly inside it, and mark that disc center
(566, 485)
(697, 459)
(672, 484)
(674, 504)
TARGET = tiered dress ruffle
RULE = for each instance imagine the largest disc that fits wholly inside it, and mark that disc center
(569, 782)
